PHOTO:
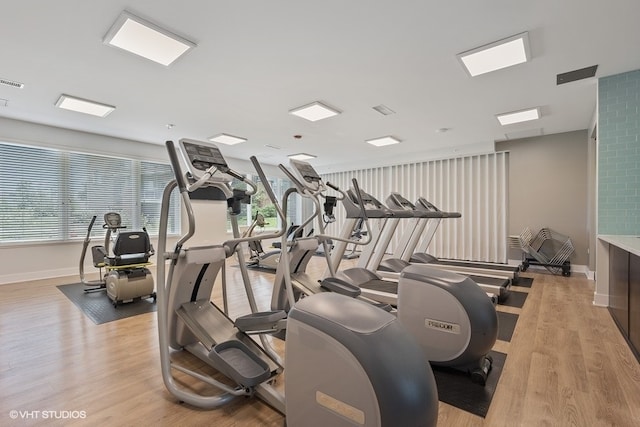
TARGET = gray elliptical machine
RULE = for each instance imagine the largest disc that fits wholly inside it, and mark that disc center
(347, 363)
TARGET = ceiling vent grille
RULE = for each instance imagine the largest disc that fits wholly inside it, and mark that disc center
(572, 76)
(383, 109)
(11, 83)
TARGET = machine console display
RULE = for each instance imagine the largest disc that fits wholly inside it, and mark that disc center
(369, 201)
(112, 220)
(201, 156)
(402, 202)
(307, 172)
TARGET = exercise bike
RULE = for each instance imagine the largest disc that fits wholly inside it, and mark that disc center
(126, 277)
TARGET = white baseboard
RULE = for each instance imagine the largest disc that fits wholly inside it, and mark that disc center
(591, 275)
(600, 300)
(38, 275)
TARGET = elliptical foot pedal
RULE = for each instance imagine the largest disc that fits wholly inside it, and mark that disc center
(261, 322)
(386, 307)
(339, 286)
(235, 360)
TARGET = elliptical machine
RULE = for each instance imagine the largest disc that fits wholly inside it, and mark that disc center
(348, 363)
(267, 260)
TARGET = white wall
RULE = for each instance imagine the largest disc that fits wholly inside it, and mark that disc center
(548, 187)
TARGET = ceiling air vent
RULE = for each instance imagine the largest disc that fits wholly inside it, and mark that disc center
(11, 83)
(572, 76)
(383, 109)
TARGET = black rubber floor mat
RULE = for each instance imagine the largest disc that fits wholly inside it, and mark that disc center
(98, 307)
(525, 282)
(456, 388)
(515, 299)
(506, 325)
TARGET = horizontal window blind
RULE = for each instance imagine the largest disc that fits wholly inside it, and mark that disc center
(153, 179)
(51, 195)
(97, 185)
(30, 188)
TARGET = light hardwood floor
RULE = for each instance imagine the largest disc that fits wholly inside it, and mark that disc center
(567, 364)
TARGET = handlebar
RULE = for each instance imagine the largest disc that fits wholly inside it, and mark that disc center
(93, 219)
(299, 186)
(175, 164)
(253, 187)
(356, 187)
(106, 226)
(87, 239)
(231, 244)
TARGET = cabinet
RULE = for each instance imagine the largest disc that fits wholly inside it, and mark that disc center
(619, 288)
(624, 294)
(634, 302)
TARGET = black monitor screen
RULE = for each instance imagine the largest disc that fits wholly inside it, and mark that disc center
(202, 157)
(308, 172)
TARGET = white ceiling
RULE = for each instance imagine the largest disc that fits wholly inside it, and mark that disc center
(256, 59)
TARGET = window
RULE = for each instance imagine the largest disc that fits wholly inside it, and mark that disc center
(260, 203)
(30, 207)
(153, 179)
(97, 185)
(51, 195)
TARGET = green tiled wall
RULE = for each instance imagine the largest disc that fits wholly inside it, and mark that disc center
(619, 154)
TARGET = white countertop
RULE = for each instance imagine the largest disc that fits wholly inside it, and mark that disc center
(630, 244)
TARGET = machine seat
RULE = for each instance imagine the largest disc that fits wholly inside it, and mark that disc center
(132, 247)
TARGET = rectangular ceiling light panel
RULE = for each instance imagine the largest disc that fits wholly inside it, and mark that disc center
(495, 56)
(381, 142)
(224, 138)
(518, 116)
(84, 106)
(146, 39)
(301, 156)
(314, 111)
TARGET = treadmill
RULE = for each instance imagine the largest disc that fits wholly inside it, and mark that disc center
(418, 252)
(392, 267)
(372, 284)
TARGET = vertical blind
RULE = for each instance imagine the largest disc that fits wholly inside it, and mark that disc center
(475, 186)
(51, 195)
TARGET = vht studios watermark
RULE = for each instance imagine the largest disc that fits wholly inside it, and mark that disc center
(47, 415)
